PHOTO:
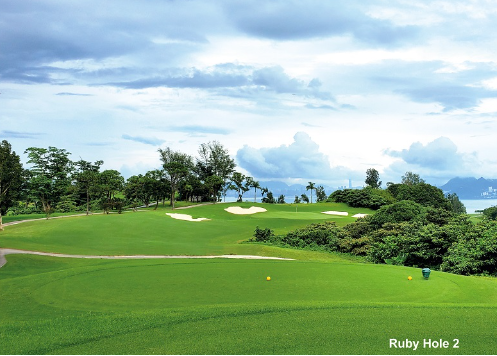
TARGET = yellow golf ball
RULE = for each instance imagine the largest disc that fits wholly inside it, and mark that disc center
(409, 278)
(268, 278)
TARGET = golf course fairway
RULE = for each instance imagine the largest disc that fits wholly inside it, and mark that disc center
(318, 303)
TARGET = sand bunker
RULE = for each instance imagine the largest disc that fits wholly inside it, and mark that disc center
(359, 215)
(185, 217)
(342, 213)
(242, 211)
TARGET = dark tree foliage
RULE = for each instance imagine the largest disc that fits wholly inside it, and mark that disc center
(475, 251)
(11, 178)
(373, 178)
(50, 175)
(362, 198)
(269, 198)
(456, 205)
(421, 193)
(490, 213)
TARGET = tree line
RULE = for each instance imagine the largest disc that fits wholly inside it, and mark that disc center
(54, 182)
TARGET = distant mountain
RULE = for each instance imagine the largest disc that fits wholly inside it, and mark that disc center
(471, 188)
(278, 188)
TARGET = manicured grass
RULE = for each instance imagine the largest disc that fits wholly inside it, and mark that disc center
(322, 303)
(219, 306)
(152, 232)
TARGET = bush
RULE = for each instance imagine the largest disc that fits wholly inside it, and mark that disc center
(421, 193)
(475, 252)
(396, 213)
(321, 234)
(362, 198)
(490, 213)
(263, 235)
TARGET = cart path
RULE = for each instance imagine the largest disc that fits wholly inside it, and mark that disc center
(10, 251)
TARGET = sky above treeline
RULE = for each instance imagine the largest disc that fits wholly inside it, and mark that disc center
(297, 91)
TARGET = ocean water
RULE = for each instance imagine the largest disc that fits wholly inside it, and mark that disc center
(478, 204)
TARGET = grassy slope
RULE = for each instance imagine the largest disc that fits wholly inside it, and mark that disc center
(321, 304)
(153, 232)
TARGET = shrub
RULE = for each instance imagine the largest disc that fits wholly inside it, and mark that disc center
(490, 213)
(475, 252)
(421, 193)
(362, 198)
(321, 234)
(397, 212)
(263, 235)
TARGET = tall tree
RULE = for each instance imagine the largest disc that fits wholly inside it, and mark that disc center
(11, 178)
(411, 178)
(50, 175)
(373, 178)
(310, 187)
(320, 194)
(177, 166)
(216, 160)
(237, 184)
(86, 177)
(110, 182)
(256, 185)
(157, 185)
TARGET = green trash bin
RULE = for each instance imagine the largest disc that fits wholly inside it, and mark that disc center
(426, 273)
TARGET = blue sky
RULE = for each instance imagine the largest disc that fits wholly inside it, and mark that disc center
(296, 90)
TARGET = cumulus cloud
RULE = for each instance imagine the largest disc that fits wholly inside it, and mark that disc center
(439, 154)
(437, 161)
(300, 159)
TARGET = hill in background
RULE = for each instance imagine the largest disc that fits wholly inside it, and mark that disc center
(471, 188)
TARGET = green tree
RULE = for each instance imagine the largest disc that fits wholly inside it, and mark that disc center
(411, 178)
(216, 159)
(310, 187)
(11, 178)
(214, 184)
(281, 199)
(237, 184)
(320, 194)
(157, 185)
(373, 178)
(457, 206)
(50, 175)
(490, 213)
(110, 182)
(86, 177)
(296, 200)
(177, 166)
(305, 198)
(256, 185)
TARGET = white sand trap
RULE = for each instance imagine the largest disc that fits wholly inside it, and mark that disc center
(342, 213)
(242, 211)
(185, 217)
(359, 215)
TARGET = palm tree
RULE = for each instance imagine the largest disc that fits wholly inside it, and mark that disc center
(310, 187)
(255, 184)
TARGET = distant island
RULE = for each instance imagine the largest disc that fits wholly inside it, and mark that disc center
(471, 188)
